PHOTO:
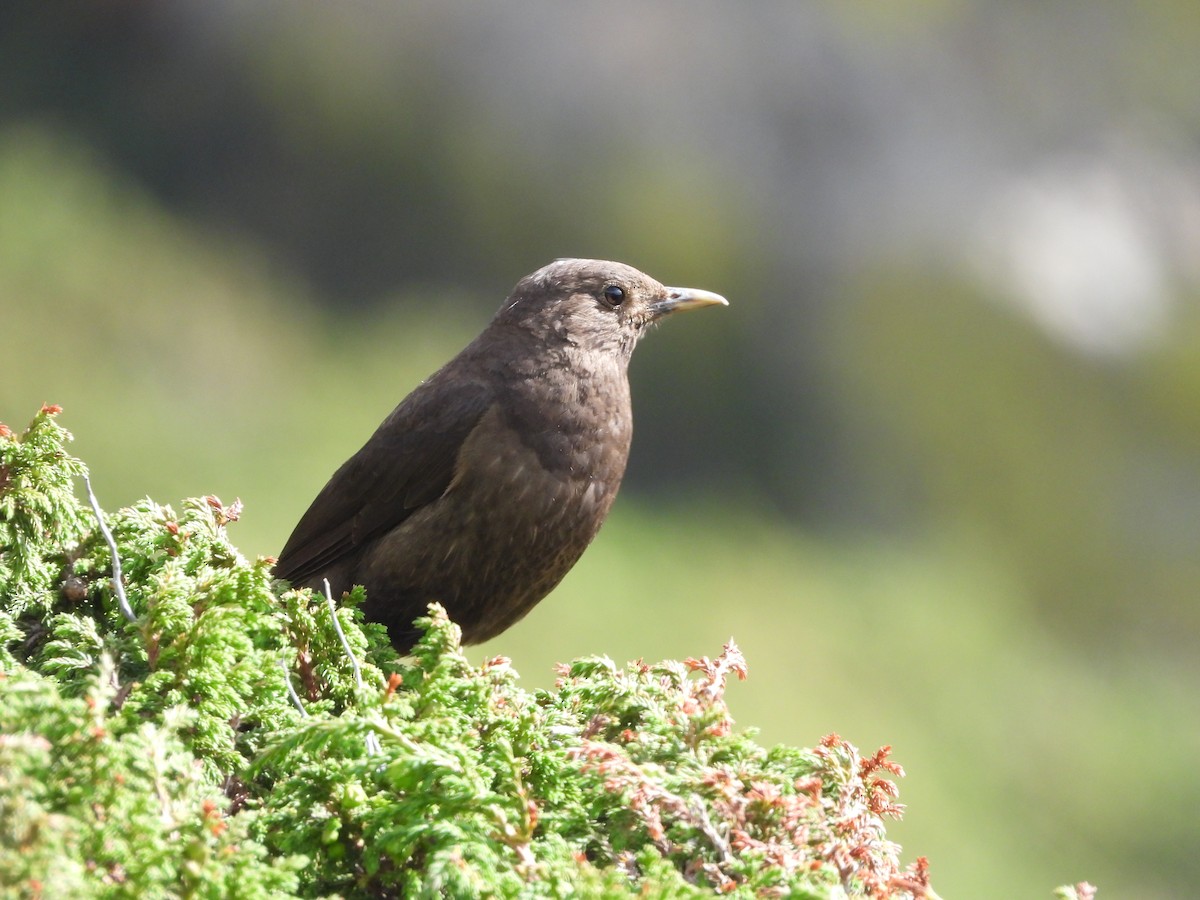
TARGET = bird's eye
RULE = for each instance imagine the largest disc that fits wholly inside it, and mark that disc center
(614, 294)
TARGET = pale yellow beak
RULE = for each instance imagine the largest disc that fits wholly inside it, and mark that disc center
(681, 299)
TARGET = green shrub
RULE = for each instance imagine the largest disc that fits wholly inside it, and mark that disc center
(229, 738)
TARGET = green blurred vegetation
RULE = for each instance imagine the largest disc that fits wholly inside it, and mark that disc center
(1080, 473)
(226, 372)
(1025, 645)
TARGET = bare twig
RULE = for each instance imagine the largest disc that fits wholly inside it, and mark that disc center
(287, 681)
(719, 842)
(118, 585)
(373, 745)
(337, 626)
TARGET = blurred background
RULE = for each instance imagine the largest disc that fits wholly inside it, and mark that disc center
(936, 468)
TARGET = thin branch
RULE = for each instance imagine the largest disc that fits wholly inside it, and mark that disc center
(337, 626)
(118, 585)
(373, 745)
(287, 681)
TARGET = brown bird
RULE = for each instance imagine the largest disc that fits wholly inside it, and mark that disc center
(487, 483)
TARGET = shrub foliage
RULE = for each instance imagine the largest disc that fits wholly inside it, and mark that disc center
(234, 738)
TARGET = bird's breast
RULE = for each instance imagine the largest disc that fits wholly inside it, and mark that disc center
(576, 417)
(544, 472)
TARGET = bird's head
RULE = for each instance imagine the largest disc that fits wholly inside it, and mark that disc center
(598, 305)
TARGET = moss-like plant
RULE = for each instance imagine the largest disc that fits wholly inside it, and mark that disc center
(224, 736)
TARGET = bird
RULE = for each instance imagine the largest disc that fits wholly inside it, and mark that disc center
(485, 485)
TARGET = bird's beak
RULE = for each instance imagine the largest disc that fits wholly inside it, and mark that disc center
(681, 299)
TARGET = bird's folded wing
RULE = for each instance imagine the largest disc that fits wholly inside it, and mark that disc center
(407, 463)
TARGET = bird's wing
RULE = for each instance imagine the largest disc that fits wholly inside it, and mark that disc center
(407, 463)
